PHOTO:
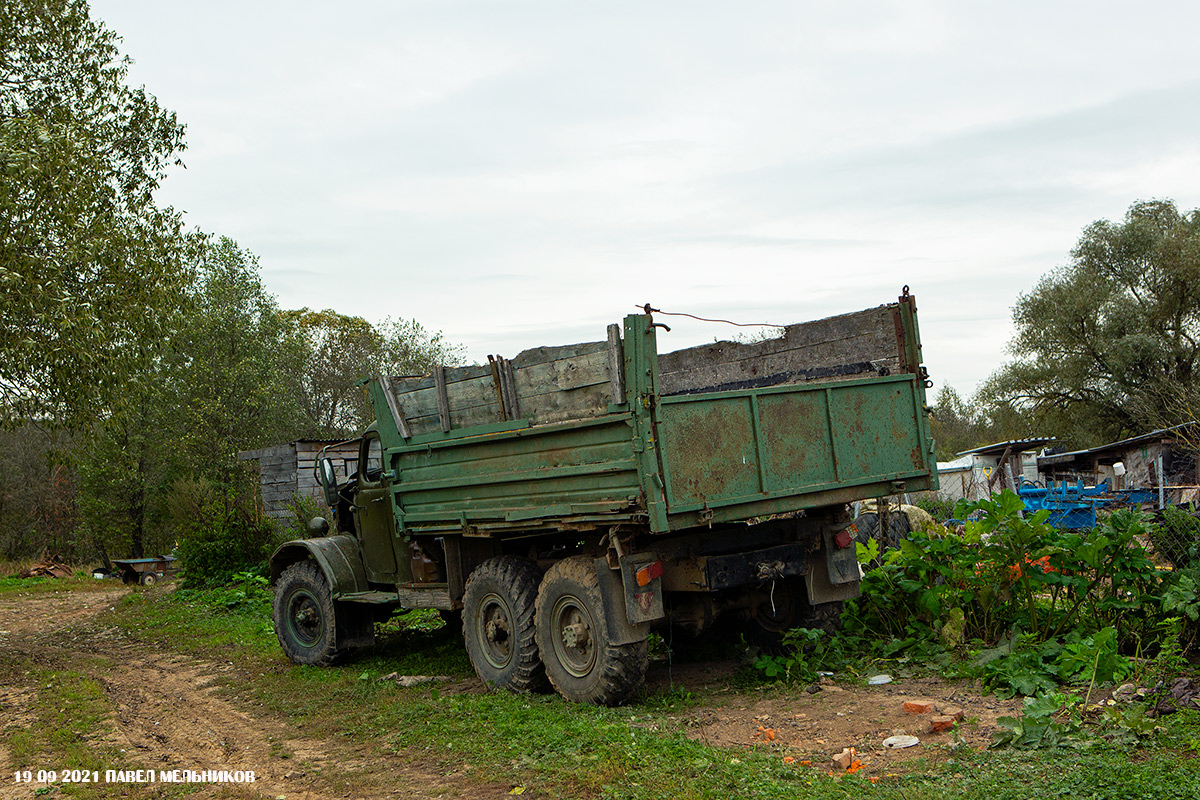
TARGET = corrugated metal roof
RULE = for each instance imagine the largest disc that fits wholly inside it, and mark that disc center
(965, 462)
(1123, 444)
(1017, 445)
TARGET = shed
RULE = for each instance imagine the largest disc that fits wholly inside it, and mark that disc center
(1160, 457)
(286, 470)
(977, 473)
(956, 479)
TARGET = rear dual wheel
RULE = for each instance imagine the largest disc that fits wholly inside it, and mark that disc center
(576, 646)
(783, 606)
(497, 620)
(521, 628)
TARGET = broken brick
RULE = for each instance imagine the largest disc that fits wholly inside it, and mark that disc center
(953, 711)
(918, 706)
(941, 723)
(844, 759)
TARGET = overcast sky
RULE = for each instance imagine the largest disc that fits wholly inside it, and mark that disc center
(524, 172)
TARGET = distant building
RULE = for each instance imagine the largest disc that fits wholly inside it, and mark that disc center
(286, 470)
(1141, 462)
(977, 473)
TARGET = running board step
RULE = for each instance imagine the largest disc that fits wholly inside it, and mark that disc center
(435, 596)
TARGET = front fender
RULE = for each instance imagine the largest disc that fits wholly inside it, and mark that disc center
(338, 556)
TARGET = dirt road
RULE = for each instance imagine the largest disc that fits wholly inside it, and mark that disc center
(166, 712)
(169, 712)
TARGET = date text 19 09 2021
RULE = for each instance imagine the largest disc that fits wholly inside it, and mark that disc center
(55, 776)
(45, 776)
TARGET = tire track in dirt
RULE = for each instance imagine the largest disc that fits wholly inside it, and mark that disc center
(170, 712)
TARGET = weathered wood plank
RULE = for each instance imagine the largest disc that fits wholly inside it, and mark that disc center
(498, 386)
(567, 352)
(582, 403)
(270, 462)
(538, 379)
(443, 397)
(279, 480)
(394, 406)
(524, 359)
(550, 391)
(508, 382)
(616, 365)
(424, 598)
(265, 452)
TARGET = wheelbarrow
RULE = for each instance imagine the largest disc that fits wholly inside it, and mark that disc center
(146, 571)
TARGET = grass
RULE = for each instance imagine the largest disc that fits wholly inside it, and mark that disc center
(78, 582)
(638, 752)
(68, 708)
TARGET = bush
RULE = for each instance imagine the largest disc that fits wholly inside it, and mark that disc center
(218, 535)
(1027, 591)
(302, 508)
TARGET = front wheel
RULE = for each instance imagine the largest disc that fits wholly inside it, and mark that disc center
(305, 621)
(497, 623)
(572, 634)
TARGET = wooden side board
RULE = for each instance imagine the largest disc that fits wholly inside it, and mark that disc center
(545, 384)
(580, 381)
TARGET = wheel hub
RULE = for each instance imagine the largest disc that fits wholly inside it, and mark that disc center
(574, 644)
(575, 635)
(497, 629)
(306, 619)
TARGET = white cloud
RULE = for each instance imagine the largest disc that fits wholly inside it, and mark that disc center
(521, 173)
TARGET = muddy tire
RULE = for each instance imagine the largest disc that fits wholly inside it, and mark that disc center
(824, 616)
(148, 579)
(305, 619)
(791, 610)
(497, 623)
(572, 635)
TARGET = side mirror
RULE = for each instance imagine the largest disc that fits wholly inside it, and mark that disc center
(328, 480)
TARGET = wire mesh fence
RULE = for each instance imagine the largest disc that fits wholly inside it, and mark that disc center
(1176, 535)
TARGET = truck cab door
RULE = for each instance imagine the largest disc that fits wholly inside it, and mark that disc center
(373, 513)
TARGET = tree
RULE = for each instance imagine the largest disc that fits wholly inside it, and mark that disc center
(334, 351)
(959, 424)
(953, 425)
(37, 493)
(229, 389)
(216, 385)
(331, 351)
(1109, 344)
(89, 265)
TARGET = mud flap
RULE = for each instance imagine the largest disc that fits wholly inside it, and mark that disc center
(840, 578)
(642, 603)
(612, 593)
(355, 625)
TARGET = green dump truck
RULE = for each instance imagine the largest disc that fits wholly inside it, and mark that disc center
(571, 499)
